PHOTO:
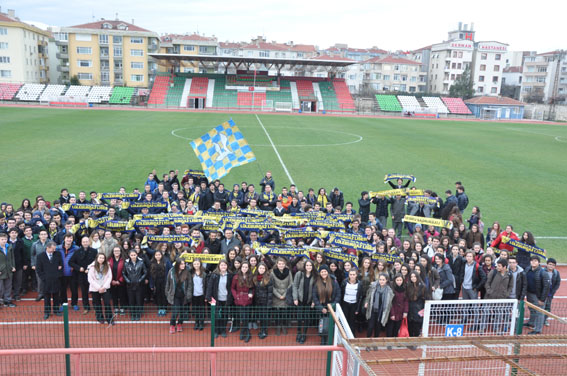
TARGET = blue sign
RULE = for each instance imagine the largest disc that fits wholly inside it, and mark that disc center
(454, 330)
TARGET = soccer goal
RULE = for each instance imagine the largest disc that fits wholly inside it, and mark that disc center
(283, 107)
(268, 105)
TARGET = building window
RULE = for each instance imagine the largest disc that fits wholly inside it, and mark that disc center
(498, 57)
(482, 67)
(137, 77)
(3, 31)
(483, 56)
(5, 73)
(3, 45)
(540, 79)
(396, 77)
(136, 40)
(117, 51)
(85, 76)
(106, 25)
(460, 54)
(105, 77)
(404, 77)
(459, 66)
(300, 54)
(494, 78)
(188, 70)
(188, 48)
(84, 50)
(494, 90)
(5, 59)
(264, 53)
(137, 65)
(455, 54)
(117, 76)
(117, 39)
(84, 63)
(103, 39)
(542, 69)
(480, 89)
(454, 66)
(136, 52)
(497, 68)
(480, 78)
(208, 50)
(104, 51)
(83, 37)
(386, 77)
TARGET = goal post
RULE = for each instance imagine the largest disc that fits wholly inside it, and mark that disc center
(268, 105)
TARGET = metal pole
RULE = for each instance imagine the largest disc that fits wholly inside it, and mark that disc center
(520, 321)
(66, 334)
(254, 88)
(330, 339)
(213, 317)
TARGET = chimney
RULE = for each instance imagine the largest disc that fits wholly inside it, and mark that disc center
(472, 26)
(11, 13)
(460, 26)
(465, 27)
(132, 21)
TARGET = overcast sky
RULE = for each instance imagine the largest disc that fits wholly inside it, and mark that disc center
(391, 25)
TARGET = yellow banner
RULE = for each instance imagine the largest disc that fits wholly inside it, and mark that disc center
(204, 257)
(428, 221)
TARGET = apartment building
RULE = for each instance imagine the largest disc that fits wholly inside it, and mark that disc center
(23, 51)
(391, 73)
(544, 77)
(107, 52)
(189, 44)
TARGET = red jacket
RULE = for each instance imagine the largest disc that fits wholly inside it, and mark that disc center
(497, 243)
(118, 277)
(400, 305)
(240, 293)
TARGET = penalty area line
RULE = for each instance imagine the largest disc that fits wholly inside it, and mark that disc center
(275, 150)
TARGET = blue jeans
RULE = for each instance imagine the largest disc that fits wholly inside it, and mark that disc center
(536, 318)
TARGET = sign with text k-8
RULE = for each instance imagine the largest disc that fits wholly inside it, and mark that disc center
(454, 330)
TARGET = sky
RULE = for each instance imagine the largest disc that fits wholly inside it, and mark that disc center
(391, 25)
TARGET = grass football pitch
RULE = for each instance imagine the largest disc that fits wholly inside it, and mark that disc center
(516, 173)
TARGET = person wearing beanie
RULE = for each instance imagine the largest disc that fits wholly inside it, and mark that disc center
(554, 283)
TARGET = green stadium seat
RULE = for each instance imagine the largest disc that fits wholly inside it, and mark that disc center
(388, 103)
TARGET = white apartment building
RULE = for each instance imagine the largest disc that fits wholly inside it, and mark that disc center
(545, 77)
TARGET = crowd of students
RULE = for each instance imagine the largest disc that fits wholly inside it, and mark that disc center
(40, 251)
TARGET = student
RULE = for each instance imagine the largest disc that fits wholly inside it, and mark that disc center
(378, 303)
(243, 293)
(117, 285)
(416, 292)
(134, 274)
(178, 289)
(49, 269)
(302, 294)
(554, 283)
(537, 293)
(199, 279)
(351, 297)
(7, 268)
(400, 307)
(99, 278)
(325, 291)
(80, 261)
(219, 292)
(159, 269)
(263, 297)
(282, 281)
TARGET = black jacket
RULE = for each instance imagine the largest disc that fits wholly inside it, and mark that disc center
(359, 296)
(381, 206)
(263, 293)
(49, 271)
(478, 277)
(337, 199)
(521, 285)
(456, 265)
(541, 283)
(134, 273)
(221, 197)
(213, 246)
(335, 297)
(213, 287)
(82, 258)
(19, 256)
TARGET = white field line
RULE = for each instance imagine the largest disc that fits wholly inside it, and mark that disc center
(275, 150)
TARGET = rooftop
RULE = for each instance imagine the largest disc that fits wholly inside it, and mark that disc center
(391, 60)
(495, 101)
(114, 25)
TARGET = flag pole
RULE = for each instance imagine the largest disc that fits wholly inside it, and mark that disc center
(254, 87)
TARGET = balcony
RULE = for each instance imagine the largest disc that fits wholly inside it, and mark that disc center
(62, 68)
(62, 55)
(61, 43)
(153, 47)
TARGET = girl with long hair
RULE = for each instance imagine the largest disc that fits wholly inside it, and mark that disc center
(325, 291)
(134, 274)
(118, 285)
(159, 267)
(99, 277)
(199, 279)
(351, 297)
(243, 292)
(400, 306)
(282, 281)
(416, 296)
(263, 297)
(219, 292)
(178, 290)
(378, 303)
(302, 293)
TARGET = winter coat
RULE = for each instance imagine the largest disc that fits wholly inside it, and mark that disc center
(107, 246)
(446, 279)
(478, 276)
(66, 256)
(397, 207)
(498, 243)
(456, 265)
(498, 286)
(82, 258)
(335, 296)
(241, 293)
(171, 284)
(118, 276)
(474, 237)
(381, 206)
(413, 209)
(7, 262)
(359, 294)
(263, 293)
(521, 283)
(213, 287)
(370, 301)
(134, 273)
(541, 283)
(298, 288)
(282, 282)
(400, 305)
(364, 209)
(415, 306)
(555, 282)
(37, 248)
(337, 199)
(49, 271)
(95, 284)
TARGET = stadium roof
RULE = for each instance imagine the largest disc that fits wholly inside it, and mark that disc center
(237, 60)
(495, 101)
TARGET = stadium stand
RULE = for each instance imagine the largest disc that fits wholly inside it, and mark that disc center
(199, 86)
(344, 98)
(100, 94)
(77, 92)
(174, 93)
(283, 95)
(409, 103)
(248, 99)
(7, 91)
(30, 92)
(330, 102)
(159, 90)
(121, 95)
(456, 106)
(52, 92)
(388, 103)
(436, 103)
(305, 90)
(223, 98)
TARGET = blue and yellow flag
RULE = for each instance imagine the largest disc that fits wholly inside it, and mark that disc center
(221, 149)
